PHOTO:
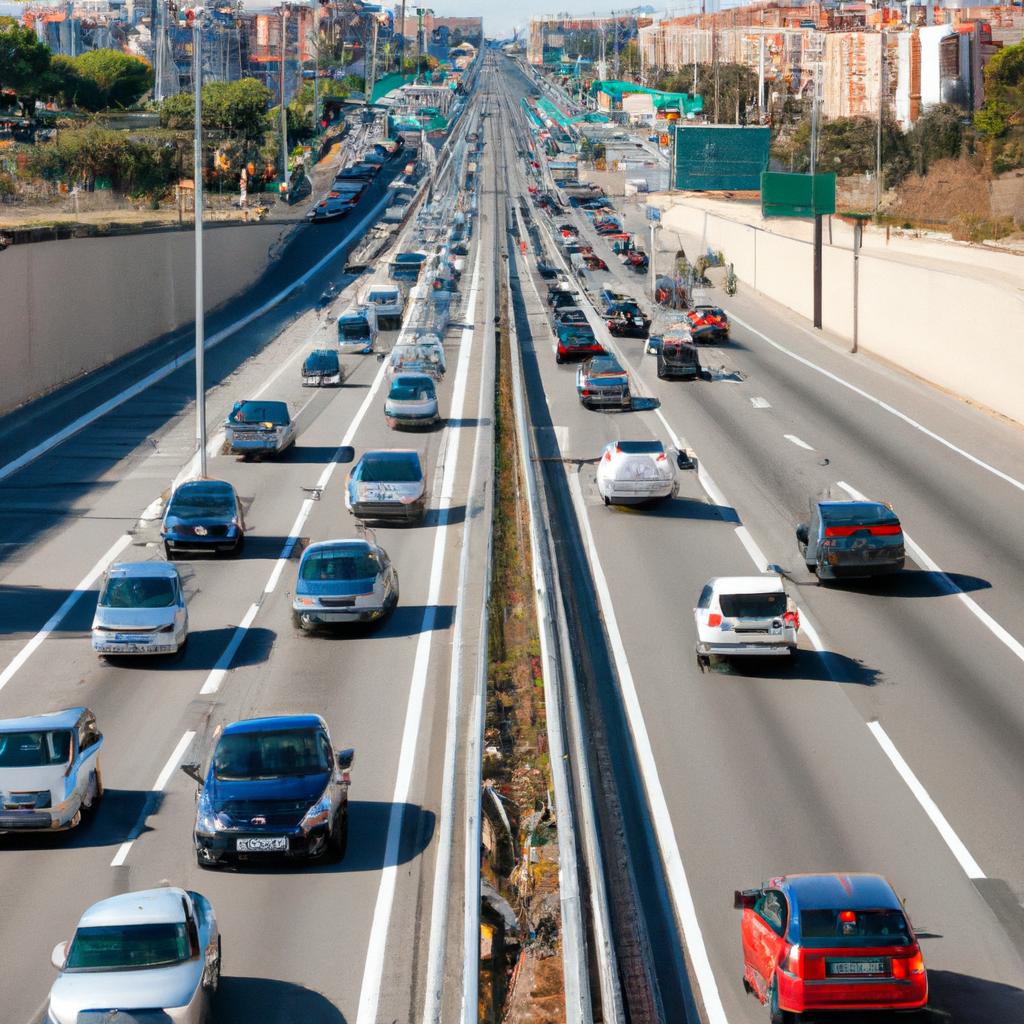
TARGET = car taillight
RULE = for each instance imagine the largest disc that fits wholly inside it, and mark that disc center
(662, 458)
(792, 618)
(608, 455)
(888, 530)
(908, 966)
(714, 619)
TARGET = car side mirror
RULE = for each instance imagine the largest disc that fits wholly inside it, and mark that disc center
(803, 533)
(744, 899)
(193, 771)
(683, 461)
(59, 956)
(345, 758)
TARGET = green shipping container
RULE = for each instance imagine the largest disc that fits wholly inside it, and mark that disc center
(712, 158)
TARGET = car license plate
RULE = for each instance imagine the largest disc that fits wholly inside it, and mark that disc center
(130, 638)
(864, 968)
(267, 844)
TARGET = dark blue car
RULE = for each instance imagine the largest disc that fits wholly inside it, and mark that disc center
(274, 787)
(203, 515)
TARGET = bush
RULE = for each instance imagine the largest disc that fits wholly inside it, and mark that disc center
(968, 228)
(938, 135)
(1008, 156)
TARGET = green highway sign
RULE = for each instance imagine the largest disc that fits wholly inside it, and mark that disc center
(797, 195)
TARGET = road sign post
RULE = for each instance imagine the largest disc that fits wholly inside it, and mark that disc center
(801, 195)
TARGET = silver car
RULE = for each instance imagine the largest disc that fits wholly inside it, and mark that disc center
(388, 484)
(411, 401)
(344, 581)
(49, 770)
(155, 951)
(141, 610)
(259, 428)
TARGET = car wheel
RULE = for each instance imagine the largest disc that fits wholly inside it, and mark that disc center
(97, 791)
(337, 841)
(559, 359)
(812, 567)
(606, 499)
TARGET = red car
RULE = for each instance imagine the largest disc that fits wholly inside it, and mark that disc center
(708, 323)
(829, 942)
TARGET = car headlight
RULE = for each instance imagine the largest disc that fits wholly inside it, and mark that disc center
(318, 814)
(209, 820)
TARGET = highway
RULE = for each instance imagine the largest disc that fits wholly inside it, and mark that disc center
(892, 744)
(340, 943)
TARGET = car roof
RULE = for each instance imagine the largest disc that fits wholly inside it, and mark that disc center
(64, 719)
(274, 723)
(355, 544)
(150, 906)
(142, 570)
(770, 583)
(391, 454)
(840, 891)
(409, 379)
(606, 363)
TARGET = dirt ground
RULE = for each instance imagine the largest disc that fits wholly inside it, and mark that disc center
(538, 996)
(952, 189)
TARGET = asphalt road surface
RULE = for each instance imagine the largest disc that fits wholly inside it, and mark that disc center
(325, 944)
(892, 743)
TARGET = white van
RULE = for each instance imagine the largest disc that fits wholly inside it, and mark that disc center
(357, 329)
(389, 302)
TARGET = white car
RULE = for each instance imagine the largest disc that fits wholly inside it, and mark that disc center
(740, 616)
(141, 610)
(357, 329)
(388, 300)
(155, 951)
(49, 770)
(631, 472)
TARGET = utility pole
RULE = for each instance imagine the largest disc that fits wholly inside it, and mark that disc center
(881, 113)
(760, 79)
(284, 106)
(372, 76)
(401, 41)
(314, 11)
(714, 61)
(196, 18)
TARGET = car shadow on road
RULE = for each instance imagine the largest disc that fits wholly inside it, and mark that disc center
(115, 821)
(205, 649)
(405, 620)
(309, 454)
(244, 1000)
(24, 609)
(811, 666)
(683, 508)
(915, 583)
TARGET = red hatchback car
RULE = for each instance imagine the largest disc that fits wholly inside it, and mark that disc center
(829, 942)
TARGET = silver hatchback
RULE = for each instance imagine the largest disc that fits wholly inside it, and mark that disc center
(141, 610)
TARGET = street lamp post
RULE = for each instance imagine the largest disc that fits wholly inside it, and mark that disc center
(197, 85)
(284, 108)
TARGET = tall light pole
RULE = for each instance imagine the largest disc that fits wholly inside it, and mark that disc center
(284, 108)
(196, 18)
(881, 109)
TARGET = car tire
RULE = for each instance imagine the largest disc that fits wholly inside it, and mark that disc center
(97, 791)
(559, 359)
(213, 982)
(168, 552)
(337, 841)
(812, 567)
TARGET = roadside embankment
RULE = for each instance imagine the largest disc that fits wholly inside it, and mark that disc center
(949, 313)
(69, 307)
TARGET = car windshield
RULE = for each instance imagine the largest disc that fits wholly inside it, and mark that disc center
(202, 499)
(641, 447)
(752, 606)
(35, 749)
(605, 366)
(383, 298)
(341, 563)
(858, 929)
(275, 413)
(125, 946)
(138, 592)
(868, 513)
(383, 469)
(355, 329)
(269, 755)
(323, 361)
(403, 391)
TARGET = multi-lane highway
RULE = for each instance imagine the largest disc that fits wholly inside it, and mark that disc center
(346, 942)
(892, 743)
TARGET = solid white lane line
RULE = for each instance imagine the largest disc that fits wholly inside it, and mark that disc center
(760, 403)
(373, 970)
(1002, 634)
(756, 555)
(682, 898)
(220, 670)
(86, 419)
(796, 440)
(434, 989)
(69, 602)
(1013, 482)
(158, 787)
(938, 819)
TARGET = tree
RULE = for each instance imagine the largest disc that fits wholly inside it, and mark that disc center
(737, 89)
(236, 107)
(120, 78)
(938, 135)
(1004, 92)
(24, 63)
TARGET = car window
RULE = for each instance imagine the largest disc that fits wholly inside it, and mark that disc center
(355, 329)
(704, 601)
(121, 947)
(381, 470)
(641, 447)
(855, 929)
(202, 499)
(275, 413)
(138, 592)
(771, 908)
(866, 513)
(341, 563)
(269, 755)
(752, 606)
(35, 749)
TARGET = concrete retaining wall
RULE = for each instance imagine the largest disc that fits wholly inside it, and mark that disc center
(963, 333)
(69, 307)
